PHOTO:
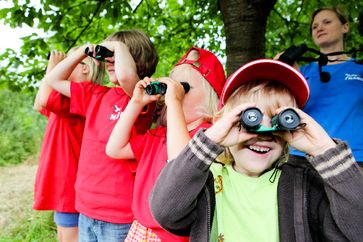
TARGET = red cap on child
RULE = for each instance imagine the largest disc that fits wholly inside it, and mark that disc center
(266, 69)
(208, 66)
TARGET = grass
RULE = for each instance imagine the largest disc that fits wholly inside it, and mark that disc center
(32, 227)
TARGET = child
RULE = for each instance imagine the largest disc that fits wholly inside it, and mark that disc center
(257, 196)
(205, 75)
(56, 174)
(104, 185)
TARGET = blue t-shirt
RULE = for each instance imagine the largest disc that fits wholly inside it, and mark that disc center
(338, 104)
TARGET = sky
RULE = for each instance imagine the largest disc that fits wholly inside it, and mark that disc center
(10, 38)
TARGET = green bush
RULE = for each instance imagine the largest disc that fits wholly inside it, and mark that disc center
(21, 127)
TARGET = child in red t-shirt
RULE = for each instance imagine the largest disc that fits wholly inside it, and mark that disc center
(104, 186)
(58, 161)
(204, 73)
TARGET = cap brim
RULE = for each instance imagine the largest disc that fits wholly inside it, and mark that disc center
(266, 69)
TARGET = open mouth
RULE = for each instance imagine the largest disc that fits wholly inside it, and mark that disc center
(258, 149)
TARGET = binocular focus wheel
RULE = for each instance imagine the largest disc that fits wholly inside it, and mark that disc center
(251, 118)
(289, 119)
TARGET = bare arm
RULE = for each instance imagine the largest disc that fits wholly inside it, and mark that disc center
(118, 145)
(57, 78)
(177, 131)
(125, 66)
(41, 98)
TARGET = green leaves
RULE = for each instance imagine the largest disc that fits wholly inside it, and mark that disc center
(173, 25)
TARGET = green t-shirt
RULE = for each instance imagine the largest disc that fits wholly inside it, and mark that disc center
(246, 207)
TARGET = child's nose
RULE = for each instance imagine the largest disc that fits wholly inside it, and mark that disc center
(266, 121)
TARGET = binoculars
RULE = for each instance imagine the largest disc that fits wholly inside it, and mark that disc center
(251, 119)
(101, 53)
(156, 87)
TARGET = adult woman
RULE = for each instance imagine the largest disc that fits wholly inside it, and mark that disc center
(336, 102)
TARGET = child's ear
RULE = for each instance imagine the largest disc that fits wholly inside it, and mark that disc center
(85, 69)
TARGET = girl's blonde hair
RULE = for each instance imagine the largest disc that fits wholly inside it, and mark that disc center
(270, 95)
(96, 73)
(210, 105)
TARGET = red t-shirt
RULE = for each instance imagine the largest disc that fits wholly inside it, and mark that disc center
(104, 186)
(151, 154)
(58, 161)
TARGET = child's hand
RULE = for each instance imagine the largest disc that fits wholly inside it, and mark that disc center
(54, 58)
(87, 49)
(227, 131)
(311, 139)
(140, 96)
(174, 92)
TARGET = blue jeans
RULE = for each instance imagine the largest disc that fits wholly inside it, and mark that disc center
(92, 230)
(66, 219)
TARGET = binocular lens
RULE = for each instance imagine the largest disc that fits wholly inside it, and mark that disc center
(156, 88)
(288, 119)
(251, 118)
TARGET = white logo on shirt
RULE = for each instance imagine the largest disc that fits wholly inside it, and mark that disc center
(353, 77)
(116, 115)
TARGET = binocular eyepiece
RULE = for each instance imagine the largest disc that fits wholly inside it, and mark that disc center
(251, 119)
(156, 87)
(101, 53)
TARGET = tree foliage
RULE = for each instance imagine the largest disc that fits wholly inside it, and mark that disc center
(174, 25)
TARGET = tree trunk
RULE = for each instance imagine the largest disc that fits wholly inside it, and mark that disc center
(244, 27)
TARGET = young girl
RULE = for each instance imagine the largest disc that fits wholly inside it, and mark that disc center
(254, 194)
(58, 161)
(104, 186)
(205, 75)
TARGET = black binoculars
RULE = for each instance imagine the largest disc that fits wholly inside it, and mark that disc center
(101, 53)
(251, 119)
(156, 87)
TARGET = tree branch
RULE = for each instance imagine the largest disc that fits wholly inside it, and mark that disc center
(88, 24)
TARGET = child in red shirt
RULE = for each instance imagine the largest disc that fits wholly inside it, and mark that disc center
(204, 73)
(58, 161)
(104, 186)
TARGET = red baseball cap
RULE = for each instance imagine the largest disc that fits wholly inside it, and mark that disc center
(208, 66)
(267, 69)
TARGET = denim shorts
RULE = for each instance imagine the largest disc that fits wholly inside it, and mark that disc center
(66, 219)
(93, 230)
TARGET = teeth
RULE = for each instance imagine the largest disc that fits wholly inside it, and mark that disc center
(259, 148)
